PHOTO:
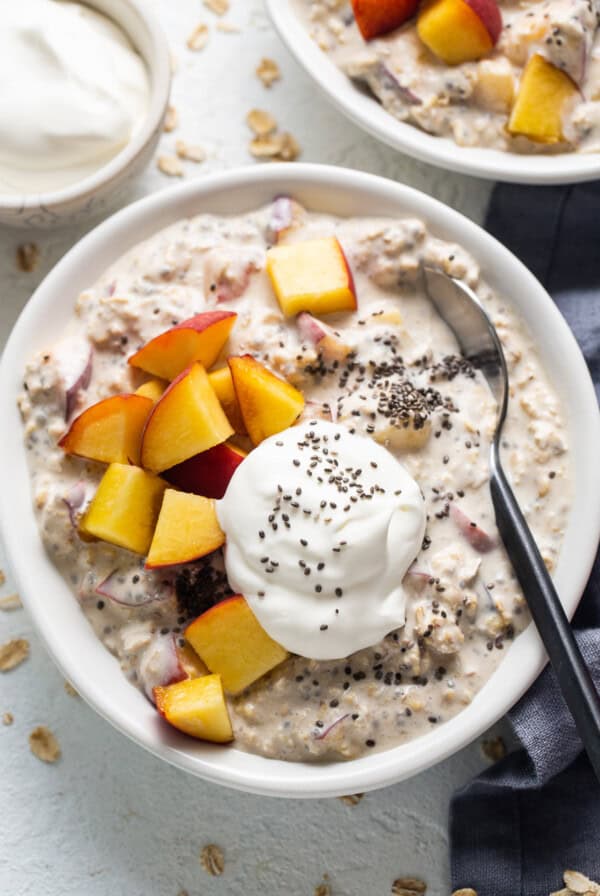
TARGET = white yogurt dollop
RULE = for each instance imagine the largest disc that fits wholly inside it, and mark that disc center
(321, 527)
(74, 93)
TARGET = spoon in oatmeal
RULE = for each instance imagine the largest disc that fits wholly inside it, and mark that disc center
(460, 308)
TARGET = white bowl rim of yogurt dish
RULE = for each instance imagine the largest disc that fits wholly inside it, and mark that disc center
(64, 629)
(368, 114)
(145, 35)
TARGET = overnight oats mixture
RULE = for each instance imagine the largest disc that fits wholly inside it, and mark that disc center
(261, 463)
(521, 77)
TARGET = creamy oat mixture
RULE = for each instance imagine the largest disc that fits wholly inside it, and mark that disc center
(470, 103)
(404, 384)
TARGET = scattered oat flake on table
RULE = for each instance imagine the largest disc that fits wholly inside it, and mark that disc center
(13, 653)
(7, 718)
(408, 886)
(219, 7)
(70, 690)
(2, 577)
(290, 148)
(323, 889)
(279, 147)
(198, 39)
(10, 602)
(353, 799)
(170, 165)
(465, 891)
(171, 119)
(28, 255)
(579, 883)
(190, 152)
(261, 122)
(228, 28)
(212, 860)
(43, 744)
(268, 71)
(493, 749)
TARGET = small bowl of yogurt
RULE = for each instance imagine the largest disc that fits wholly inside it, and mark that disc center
(89, 90)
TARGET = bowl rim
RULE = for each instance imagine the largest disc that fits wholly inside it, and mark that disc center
(84, 660)
(158, 64)
(443, 152)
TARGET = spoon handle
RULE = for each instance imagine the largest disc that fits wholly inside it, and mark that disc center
(548, 614)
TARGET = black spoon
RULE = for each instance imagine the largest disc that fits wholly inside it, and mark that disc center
(460, 308)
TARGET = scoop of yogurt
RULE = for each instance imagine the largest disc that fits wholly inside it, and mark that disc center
(76, 92)
(321, 527)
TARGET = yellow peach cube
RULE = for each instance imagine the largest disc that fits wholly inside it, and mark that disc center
(197, 707)
(109, 431)
(153, 389)
(231, 642)
(125, 508)
(539, 107)
(187, 420)
(312, 276)
(187, 529)
(268, 404)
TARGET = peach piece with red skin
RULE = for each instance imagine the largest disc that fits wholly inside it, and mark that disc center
(231, 641)
(208, 473)
(185, 421)
(197, 707)
(200, 338)
(323, 337)
(187, 529)
(109, 431)
(313, 275)
(268, 403)
(458, 31)
(377, 17)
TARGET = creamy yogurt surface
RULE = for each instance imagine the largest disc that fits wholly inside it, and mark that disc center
(470, 103)
(322, 526)
(78, 93)
(404, 387)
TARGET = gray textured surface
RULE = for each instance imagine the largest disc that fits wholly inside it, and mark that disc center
(109, 819)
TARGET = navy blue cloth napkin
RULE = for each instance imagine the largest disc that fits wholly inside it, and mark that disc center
(520, 824)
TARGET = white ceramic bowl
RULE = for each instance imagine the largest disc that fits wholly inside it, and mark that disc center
(368, 114)
(55, 611)
(98, 193)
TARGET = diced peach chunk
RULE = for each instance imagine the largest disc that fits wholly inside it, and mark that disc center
(268, 404)
(153, 389)
(187, 420)
(208, 473)
(458, 31)
(377, 17)
(109, 431)
(539, 107)
(330, 346)
(312, 276)
(125, 508)
(495, 85)
(231, 641)
(222, 383)
(189, 662)
(187, 529)
(201, 338)
(197, 707)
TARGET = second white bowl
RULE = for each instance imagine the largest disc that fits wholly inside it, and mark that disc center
(368, 114)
